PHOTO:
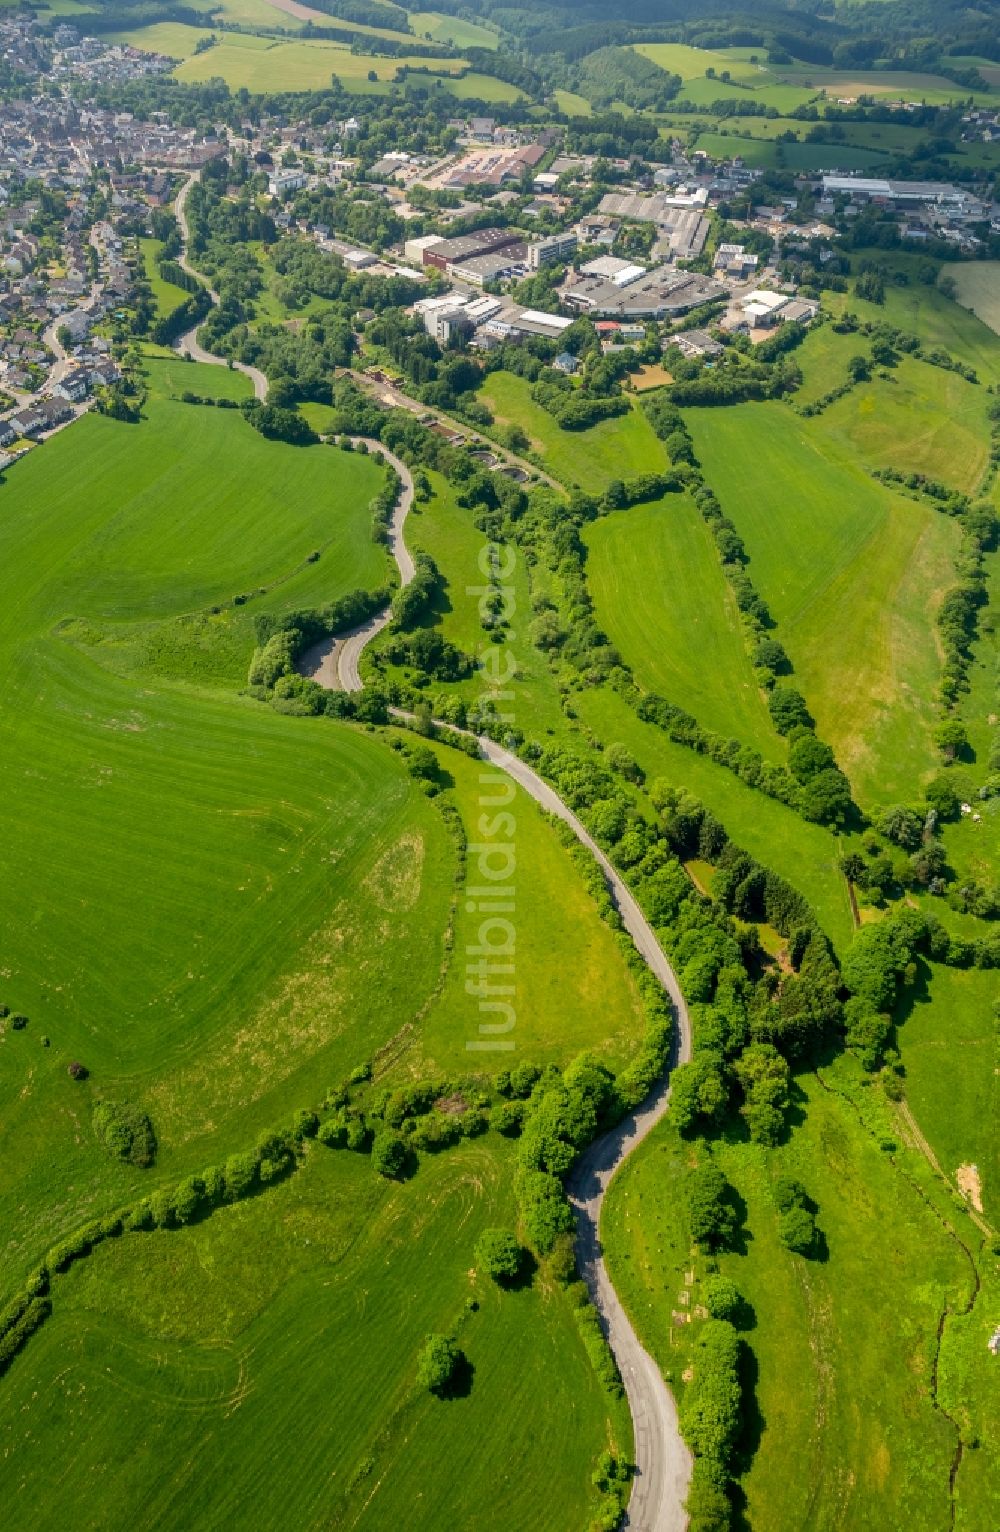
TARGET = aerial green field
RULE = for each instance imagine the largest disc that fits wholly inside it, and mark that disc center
(478, 87)
(805, 854)
(165, 294)
(978, 284)
(573, 105)
(763, 153)
(919, 419)
(664, 602)
(691, 63)
(453, 29)
(823, 357)
(273, 1349)
(586, 1000)
(613, 449)
(850, 573)
(280, 66)
(947, 1039)
(843, 1346)
(934, 89)
(263, 63)
(928, 313)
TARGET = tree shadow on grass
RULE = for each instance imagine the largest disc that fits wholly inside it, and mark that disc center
(752, 1429)
(459, 1385)
(524, 1277)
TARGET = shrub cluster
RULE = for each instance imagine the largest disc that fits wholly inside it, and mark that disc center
(126, 1132)
(573, 408)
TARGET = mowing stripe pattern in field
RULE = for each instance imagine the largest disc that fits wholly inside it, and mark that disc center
(665, 604)
(850, 573)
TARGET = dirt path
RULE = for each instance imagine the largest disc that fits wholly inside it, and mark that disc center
(187, 344)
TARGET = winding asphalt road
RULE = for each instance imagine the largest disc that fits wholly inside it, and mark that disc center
(662, 1460)
(187, 344)
(335, 662)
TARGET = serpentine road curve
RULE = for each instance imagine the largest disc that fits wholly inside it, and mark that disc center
(663, 1462)
(187, 344)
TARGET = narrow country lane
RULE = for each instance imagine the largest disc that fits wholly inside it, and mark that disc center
(663, 1462)
(187, 344)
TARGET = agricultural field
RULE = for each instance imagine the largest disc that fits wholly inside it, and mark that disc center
(805, 854)
(166, 295)
(842, 1346)
(478, 87)
(978, 285)
(585, 1000)
(933, 89)
(612, 449)
(919, 419)
(453, 29)
(927, 313)
(850, 572)
(260, 64)
(947, 1040)
(664, 602)
(573, 105)
(307, 1304)
(763, 153)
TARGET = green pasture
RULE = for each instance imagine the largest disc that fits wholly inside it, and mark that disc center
(453, 29)
(691, 63)
(166, 295)
(762, 152)
(784, 98)
(926, 312)
(260, 63)
(572, 988)
(169, 375)
(573, 105)
(805, 854)
(823, 357)
(932, 89)
(978, 284)
(665, 604)
(174, 38)
(851, 574)
(258, 1369)
(946, 1033)
(916, 419)
(213, 837)
(476, 87)
(841, 1426)
(613, 449)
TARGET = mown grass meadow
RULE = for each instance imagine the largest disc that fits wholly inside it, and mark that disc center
(664, 602)
(851, 573)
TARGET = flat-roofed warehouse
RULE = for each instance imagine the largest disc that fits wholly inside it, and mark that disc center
(484, 242)
(659, 294)
(680, 217)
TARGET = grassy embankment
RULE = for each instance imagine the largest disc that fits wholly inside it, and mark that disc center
(219, 910)
(850, 572)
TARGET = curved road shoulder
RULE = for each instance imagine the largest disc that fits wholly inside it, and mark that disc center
(662, 1460)
(187, 344)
